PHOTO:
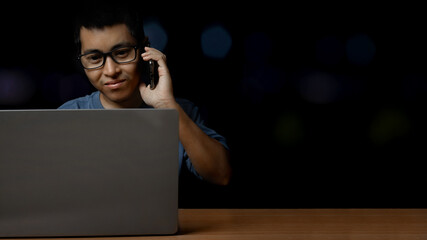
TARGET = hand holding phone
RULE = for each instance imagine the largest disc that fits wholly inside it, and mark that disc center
(157, 75)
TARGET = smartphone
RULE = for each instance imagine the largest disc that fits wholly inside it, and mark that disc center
(153, 72)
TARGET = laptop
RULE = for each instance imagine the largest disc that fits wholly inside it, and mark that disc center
(88, 172)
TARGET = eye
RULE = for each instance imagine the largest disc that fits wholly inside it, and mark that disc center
(93, 57)
(122, 52)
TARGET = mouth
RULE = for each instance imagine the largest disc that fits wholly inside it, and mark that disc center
(113, 84)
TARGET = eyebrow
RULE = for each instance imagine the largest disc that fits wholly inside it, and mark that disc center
(118, 45)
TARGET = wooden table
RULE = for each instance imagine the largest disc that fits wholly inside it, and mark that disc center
(263, 224)
(304, 224)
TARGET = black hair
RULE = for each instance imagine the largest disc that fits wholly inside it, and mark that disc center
(99, 14)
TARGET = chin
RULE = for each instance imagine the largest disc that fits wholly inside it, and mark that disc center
(120, 96)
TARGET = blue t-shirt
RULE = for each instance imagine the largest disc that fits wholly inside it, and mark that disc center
(93, 101)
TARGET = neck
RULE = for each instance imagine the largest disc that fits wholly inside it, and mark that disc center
(134, 101)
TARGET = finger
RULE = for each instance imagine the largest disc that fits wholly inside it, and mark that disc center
(154, 54)
(148, 56)
(147, 51)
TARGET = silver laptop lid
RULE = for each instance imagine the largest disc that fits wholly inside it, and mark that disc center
(88, 172)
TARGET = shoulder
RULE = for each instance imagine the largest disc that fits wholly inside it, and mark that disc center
(87, 102)
(194, 113)
(190, 108)
(185, 104)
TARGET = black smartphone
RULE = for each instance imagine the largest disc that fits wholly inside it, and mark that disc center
(151, 67)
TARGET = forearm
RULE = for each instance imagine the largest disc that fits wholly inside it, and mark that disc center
(208, 156)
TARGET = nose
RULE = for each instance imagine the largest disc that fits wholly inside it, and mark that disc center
(111, 68)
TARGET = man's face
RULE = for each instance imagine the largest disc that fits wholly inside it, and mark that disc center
(118, 83)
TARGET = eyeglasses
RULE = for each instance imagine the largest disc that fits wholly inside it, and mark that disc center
(96, 59)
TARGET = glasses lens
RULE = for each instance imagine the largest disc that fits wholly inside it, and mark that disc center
(92, 60)
(96, 59)
(124, 54)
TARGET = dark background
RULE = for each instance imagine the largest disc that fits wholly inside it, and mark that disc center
(322, 105)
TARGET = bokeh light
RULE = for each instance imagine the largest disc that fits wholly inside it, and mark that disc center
(388, 125)
(289, 129)
(16, 87)
(360, 49)
(156, 34)
(319, 87)
(216, 42)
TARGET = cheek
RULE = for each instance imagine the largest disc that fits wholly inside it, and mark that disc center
(93, 76)
(132, 71)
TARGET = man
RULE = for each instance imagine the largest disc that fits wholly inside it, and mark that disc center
(111, 48)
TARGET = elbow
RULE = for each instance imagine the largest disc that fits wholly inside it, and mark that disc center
(225, 178)
(219, 171)
(219, 177)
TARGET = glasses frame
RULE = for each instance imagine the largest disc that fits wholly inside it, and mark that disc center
(105, 55)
